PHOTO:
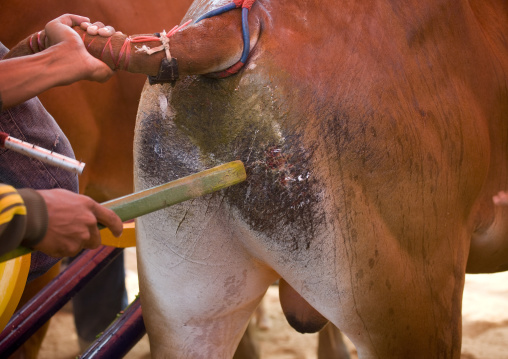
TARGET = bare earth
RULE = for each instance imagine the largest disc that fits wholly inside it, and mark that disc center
(485, 324)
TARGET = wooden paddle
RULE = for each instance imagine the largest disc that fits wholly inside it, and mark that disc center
(165, 195)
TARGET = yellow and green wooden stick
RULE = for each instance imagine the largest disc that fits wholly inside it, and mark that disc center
(165, 195)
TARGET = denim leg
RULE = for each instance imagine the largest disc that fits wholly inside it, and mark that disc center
(97, 304)
(30, 122)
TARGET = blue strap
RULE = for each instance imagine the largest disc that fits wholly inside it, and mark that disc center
(218, 11)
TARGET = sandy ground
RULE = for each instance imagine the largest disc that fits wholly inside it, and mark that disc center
(485, 323)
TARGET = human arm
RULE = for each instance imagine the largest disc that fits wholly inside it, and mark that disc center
(56, 222)
(13, 218)
(64, 61)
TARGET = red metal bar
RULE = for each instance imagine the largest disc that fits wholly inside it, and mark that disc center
(119, 338)
(25, 322)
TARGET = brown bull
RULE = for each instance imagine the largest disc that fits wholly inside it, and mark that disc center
(375, 135)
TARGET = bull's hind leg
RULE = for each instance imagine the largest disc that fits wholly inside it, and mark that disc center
(396, 293)
(410, 316)
(406, 301)
(389, 304)
(198, 285)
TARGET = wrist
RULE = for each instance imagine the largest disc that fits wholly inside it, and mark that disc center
(26, 77)
(36, 217)
(62, 64)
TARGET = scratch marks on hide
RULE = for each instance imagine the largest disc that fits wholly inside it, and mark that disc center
(189, 254)
(183, 219)
(281, 198)
(279, 162)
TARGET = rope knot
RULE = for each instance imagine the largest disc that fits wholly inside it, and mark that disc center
(164, 39)
(165, 44)
(244, 3)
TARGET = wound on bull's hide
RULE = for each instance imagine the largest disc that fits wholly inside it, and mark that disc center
(298, 312)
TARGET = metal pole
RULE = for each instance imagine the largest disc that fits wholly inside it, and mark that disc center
(119, 338)
(53, 297)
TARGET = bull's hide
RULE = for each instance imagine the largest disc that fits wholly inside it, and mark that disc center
(374, 136)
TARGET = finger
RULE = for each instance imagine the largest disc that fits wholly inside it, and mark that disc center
(71, 251)
(106, 31)
(95, 238)
(84, 25)
(109, 219)
(72, 20)
(78, 19)
(92, 30)
(103, 74)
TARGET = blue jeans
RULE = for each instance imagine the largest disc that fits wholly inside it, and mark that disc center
(30, 122)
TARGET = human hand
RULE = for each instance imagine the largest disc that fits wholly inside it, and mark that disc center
(72, 223)
(98, 28)
(59, 33)
(501, 199)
